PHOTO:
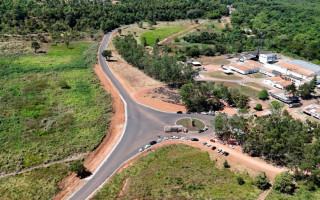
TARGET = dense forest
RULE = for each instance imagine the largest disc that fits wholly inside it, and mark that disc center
(288, 27)
(56, 16)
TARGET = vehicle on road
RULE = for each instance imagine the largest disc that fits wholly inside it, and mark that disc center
(184, 138)
(204, 113)
(147, 146)
(179, 112)
(194, 139)
(213, 147)
(153, 142)
(208, 145)
(201, 131)
(141, 149)
(204, 143)
(174, 137)
(165, 138)
(231, 146)
(159, 140)
(188, 112)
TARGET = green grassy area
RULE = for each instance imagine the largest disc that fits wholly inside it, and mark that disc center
(299, 194)
(258, 75)
(252, 93)
(256, 85)
(52, 109)
(36, 184)
(151, 36)
(177, 172)
(186, 122)
(221, 75)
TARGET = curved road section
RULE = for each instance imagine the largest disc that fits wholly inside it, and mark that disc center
(143, 124)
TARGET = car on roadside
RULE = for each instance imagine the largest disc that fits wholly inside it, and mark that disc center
(165, 138)
(231, 146)
(208, 145)
(204, 143)
(184, 138)
(174, 137)
(194, 139)
(226, 153)
(141, 149)
(159, 140)
(212, 140)
(204, 113)
(219, 150)
(147, 146)
(213, 147)
(153, 142)
(222, 142)
(179, 112)
(201, 131)
(188, 112)
(222, 152)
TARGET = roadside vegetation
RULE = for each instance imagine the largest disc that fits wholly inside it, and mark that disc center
(52, 106)
(178, 172)
(191, 124)
(151, 37)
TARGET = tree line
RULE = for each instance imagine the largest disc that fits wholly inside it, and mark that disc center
(162, 67)
(56, 16)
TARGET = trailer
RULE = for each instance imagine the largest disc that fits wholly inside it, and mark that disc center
(177, 128)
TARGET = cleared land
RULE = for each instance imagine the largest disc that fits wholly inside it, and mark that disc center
(187, 122)
(52, 106)
(177, 172)
(221, 75)
(153, 35)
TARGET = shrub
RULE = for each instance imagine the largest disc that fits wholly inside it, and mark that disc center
(176, 39)
(261, 181)
(284, 183)
(78, 168)
(226, 164)
(258, 107)
(263, 94)
(240, 180)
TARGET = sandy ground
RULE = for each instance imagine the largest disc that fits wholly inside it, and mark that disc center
(72, 183)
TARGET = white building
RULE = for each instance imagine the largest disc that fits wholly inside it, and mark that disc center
(243, 68)
(267, 58)
(277, 82)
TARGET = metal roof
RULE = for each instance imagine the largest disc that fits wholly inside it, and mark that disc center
(305, 64)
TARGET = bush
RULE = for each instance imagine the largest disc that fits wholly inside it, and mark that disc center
(284, 183)
(176, 39)
(258, 107)
(263, 94)
(240, 180)
(226, 164)
(78, 168)
(261, 181)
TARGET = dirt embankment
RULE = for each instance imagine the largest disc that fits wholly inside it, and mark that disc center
(71, 183)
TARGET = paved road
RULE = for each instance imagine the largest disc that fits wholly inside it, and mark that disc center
(143, 126)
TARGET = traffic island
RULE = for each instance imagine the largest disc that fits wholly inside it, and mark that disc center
(191, 124)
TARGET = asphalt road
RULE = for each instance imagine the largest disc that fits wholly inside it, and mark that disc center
(143, 125)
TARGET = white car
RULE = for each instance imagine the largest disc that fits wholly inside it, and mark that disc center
(159, 140)
(231, 146)
(208, 145)
(215, 140)
(174, 137)
(147, 146)
(219, 150)
(184, 138)
(141, 149)
(165, 138)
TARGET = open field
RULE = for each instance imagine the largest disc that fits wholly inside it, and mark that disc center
(152, 35)
(299, 194)
(221, 75)
(177, 172)
(254, 84)
(252, 93)
(258, 75)
(186, 122)
(36, 184)
(214, 60)
(51, 108)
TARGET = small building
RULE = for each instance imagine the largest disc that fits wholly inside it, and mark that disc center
(277, 82)
(196, 63)
(267, 58)
(177, 128)
(312, 110)
(243, 68)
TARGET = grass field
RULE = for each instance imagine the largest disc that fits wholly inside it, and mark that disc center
(36, 184)
(252, 93)
(300, 194)
(256, 85)
(221, 75)
(51, 106)
(151, 36)
(177, 172)
(186, 122)
(258, 75)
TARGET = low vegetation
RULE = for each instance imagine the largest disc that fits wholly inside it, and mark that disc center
(221, 75)
(178, 172)
(40, 183)
(159, 34)
(52, 106)
(191, 124)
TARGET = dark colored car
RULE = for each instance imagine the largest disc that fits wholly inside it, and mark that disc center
(179, 112)
(194, 139)
(294, 105)
(213, 148)
(153, 142)
(188, 112)
(201, 131)
(226, 153)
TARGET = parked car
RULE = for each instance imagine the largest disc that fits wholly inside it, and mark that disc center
(231, 146)
(184, 138)
(159, 140)
(201, 131)
(222, 142)
(294, 105)
(226, 153)
(215, 140)
(174, 137)
(141, 149)
(204, 113)
(222, 152)
(194, 139)
(179, 112)
(219, 150)
(165, 138)
(208, 145)
(153, 142)
(147, 146)
(212, 140)
(213, 147)
(188, 112)
(204, 143)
